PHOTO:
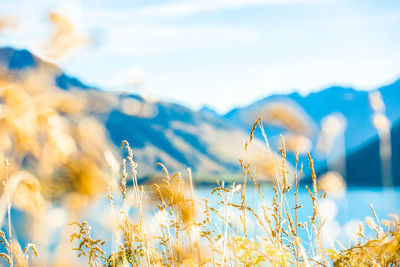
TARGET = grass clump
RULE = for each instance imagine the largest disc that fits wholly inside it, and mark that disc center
(226, 230)
(166, 225)
(383, 250)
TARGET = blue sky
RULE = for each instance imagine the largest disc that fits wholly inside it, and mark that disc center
(222, 53)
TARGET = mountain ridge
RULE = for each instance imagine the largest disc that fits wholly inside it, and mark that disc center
(166, 132)
(159, 131)
(352, 103)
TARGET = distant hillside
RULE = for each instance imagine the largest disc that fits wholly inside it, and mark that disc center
(20, 61)
(159, 131)
(165, 132)
(351, 103)
(363, 166)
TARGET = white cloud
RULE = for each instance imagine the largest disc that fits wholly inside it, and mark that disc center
(307, 46)
(157, 38)
(186, 8)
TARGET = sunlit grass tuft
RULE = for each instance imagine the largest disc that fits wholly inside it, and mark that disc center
(195, 232)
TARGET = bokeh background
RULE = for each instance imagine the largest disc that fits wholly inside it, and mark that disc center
(183, 82)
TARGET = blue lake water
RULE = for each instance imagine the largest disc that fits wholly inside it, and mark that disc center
(342, 212)
(353, 204)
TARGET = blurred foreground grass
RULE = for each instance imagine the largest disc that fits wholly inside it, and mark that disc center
(58, 159)
(185, 231)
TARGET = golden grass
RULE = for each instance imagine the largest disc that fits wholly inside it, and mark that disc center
(191, 232)
(52, 149)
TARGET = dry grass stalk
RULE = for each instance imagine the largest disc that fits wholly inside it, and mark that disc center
(88, 247)
(195, 232)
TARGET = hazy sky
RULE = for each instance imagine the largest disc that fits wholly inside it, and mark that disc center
(222, 53)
